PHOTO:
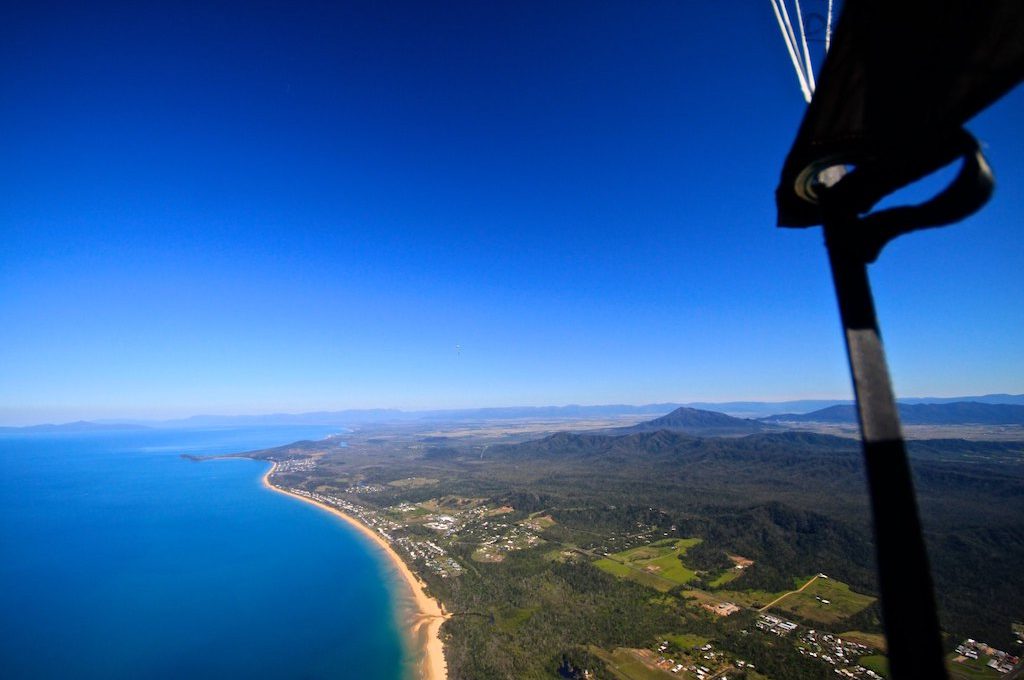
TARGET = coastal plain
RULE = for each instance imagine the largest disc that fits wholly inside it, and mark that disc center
(589, 547)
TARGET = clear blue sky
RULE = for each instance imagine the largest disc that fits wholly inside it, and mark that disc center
(281, 208)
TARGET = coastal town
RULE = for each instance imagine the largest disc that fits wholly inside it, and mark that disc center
(472, 521)
(423, 533)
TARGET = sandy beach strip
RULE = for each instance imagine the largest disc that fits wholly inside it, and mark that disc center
(426, 624)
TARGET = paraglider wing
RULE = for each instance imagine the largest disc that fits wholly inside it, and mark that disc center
(900, 80)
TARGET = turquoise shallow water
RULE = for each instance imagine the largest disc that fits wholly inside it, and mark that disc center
(123, 560)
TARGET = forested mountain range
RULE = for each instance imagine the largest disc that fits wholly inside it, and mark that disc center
(955, 413)
(698, 422)
(794, 502)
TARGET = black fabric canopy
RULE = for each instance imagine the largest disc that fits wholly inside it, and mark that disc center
(900, 80)
(898, 84)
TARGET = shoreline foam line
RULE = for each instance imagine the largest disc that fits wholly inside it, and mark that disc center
(426, 625)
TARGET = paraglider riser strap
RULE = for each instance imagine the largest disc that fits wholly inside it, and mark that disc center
(864, 186)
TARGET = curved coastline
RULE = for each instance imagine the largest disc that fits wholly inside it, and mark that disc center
(426, 625)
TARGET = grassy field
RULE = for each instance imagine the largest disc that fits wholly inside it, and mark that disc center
(751, 598)
(702, 597)
(877, 663)
(448, 504)
(970, 669)
(874, 640)
(561, 554)
(624, 664)
(686, 641)
(633, 574)
(538, 521)
(408, 515)
(725, 577)
(413, 482)
(656, 565)
(511, 619)
(843, 602)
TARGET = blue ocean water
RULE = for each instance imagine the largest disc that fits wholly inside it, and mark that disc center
(120, 559)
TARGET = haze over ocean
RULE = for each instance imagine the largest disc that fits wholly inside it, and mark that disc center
(123, 560)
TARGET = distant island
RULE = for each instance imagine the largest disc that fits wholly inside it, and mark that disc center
(75, 427)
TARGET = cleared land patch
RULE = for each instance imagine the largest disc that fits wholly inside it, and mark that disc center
(825, 601)
(873, 640)
(961, 668)
(512, 619)
(539, 522)
(451, 503)
(407, 512)
(656, 565)
(876, 662)
(628, 664)
(704, 597)
(725, 577)
(686, 640)
(752, 598)
(413, 482)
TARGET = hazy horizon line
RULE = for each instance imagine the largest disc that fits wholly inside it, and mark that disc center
(413, 411)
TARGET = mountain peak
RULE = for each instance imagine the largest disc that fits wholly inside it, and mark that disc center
(699, 422)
